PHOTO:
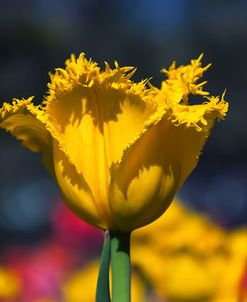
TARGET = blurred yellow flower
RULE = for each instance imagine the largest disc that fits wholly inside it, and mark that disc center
(234, 267)
(9, 284)
(81, 286)
(192, 258)
(119, 150)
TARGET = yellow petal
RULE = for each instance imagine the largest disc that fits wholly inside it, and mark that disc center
(24, 120)
(95, 118)
(77, 193)
(156, 165)
(138, 181)
(105, 103)
(185, 78)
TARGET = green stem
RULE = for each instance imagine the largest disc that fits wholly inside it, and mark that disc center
(120, 264)
(103, 292)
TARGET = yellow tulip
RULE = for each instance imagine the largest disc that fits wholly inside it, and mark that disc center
(119, 150)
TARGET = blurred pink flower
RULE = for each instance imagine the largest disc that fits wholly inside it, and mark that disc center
(41, 269)
(72, 231)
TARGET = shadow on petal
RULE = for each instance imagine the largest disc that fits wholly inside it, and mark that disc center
(152, 170)
(102, 104)
(76, 191)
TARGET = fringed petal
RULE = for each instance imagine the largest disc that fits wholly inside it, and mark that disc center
(154, 167)
(76, 192)
(82, 72)
(196, 116)
(25, 121)
(185, 78)
(95, 118)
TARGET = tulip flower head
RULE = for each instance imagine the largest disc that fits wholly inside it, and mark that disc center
(119, 150)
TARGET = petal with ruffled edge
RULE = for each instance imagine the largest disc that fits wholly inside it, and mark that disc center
(76, 191)
(156, 165)
(25, 121)
(185, 78)
(94, 116)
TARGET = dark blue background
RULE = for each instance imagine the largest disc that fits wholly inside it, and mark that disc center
(37, 36)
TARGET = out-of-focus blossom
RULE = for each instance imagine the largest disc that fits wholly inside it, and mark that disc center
(71, 231)
(188, 258)
(119, 150)
(10, 286)
(230, 282)
(183, 257)
(182, 228)
(243, 285)
(81, 286)
(41, 270)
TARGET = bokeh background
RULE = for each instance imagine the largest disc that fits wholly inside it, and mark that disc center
(36, 36)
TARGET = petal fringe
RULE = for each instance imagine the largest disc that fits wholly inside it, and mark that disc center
(82, 72)
(106, 96)
(25, 121)
(169, 101)
(184, 78)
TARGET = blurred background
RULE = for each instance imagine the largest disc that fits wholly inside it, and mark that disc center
(36, 36)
